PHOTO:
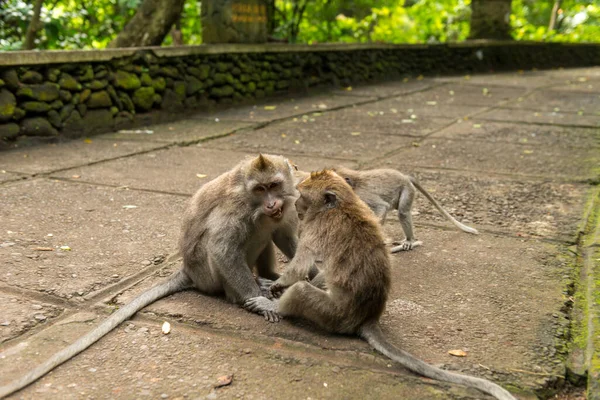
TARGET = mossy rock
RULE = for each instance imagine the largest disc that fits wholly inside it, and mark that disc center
(56, 105)
(8, 103)
(159, 84)
(251, 87)
(1, 83)
(87, 74)
(31, 76)
(192, 86)
(127, 103)
(73, 123)
(66, 111)
(67, 82)
(65, 95)
(204, 71)
(180, 89)
(44, 92)
(11, 79)
(97, 121)
(85, 95)
(259, 94)
(224, 91)
(169, 71)
(281, 85)
(236, 71)
(244, 78)
(75, 99)
(114, 111)
(146, 79)
(114, 97)
(239, 87)
(157, 98)
(171, 101)
(264, 75)
(8, 131)
(99, 100)
(37, 126)
(220, 79)
(223, 67)
(52, 74)
(36, 106)
(101, 74)
(82, 108)
(191, 102)
(54, 119)
(195, 72)
(143, 98)
(97, 84)
(19, 114)
(126, 80)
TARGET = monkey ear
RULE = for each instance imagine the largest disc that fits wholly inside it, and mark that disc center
(330, 199)
(349, 182)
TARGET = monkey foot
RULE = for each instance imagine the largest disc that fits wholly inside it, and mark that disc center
(264, 285)
(282, 258)
(406, 245)
(263, 306)
(277, 289)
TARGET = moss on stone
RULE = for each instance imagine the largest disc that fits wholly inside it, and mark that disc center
(54, 119)
(251, 87)
(127, 103)
(222, 91)
(31, 76)
(1, 83)
(99, 100)
(126, 80)
(9, 130)
(87, 74)
(65, 96)
(56, 105)
(52, 74)
(146, 79)
(159, 84)
(10, 78)
(66, 111)
(169, 71)
(143, 98)
(37, 126)
(8, 103)
(44, 92)
(67, 82)
(35, 106)
(179, 89)
(19, 114)
(97, 84)
(85, 95)
(193, 85)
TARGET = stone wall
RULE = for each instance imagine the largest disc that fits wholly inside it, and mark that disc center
(80, 93)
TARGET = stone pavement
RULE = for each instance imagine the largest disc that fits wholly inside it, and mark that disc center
(88, 224)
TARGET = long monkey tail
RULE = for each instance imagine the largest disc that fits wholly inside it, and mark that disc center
(437, 205)
(175, 283)
(372, 333)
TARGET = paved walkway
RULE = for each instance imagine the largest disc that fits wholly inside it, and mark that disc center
(515, 155)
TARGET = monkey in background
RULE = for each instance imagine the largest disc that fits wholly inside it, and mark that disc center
(228, 228)
(349, 294)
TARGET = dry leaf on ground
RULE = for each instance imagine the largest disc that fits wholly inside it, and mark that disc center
(457, 353)
(224, 381)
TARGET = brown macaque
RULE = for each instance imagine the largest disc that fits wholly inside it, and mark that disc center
(230, 228)
(385, 189)
(349, 294)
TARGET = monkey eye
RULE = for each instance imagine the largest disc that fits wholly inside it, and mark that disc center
(259, 188)
(273, 185)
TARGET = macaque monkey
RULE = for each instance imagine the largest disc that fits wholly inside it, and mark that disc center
(349, 294)
(385, 189)
(228, 229)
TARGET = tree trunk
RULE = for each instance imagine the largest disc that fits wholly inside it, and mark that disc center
(150, 24)
(555, 9)
(33, 26)
(490, 19)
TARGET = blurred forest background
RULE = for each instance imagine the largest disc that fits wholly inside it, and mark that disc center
(87, 24)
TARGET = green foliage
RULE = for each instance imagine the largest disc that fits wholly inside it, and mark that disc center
(84, 24)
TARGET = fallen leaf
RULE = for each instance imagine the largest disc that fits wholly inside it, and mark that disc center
(322, 106)
(88, 141)
(413, 116)
(65, 248)
(129, 206)
(407, 121)
(201, 176)
(283, 135)
(166, 328)
(223, 381)
(467, 77)
(523, 140)
(393, 110)
(416, 144)
(270, 108)
(44, 249)
(405, 80)
(476, 126)
(75, 176)
(420, 77)
(431, 103)
(579, 112)
(316, 114)
(451, 92)
(349, 88)
(297, 141)
(528, 151)
(355, 133)
(485, 91)
(556, 109)
(457, 353)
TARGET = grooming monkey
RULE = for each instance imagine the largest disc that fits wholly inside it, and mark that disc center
(228, 228)
(349, 294)
(384, 189)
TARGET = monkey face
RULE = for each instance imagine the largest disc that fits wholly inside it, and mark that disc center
(271, 198)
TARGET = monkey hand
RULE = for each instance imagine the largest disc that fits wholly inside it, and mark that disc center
(264, 285)
(277, 289)
(406, 245)
(263, 306)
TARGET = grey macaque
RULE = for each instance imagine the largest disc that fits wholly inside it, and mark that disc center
(228, 229)
(354, 279)
(385, 189)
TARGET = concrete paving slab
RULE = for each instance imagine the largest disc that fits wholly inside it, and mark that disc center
(313, 138)
(559, 100)
(286, 107)
(519, 79)
(180, 170)
(53, 157)
(551, 210)
(472, 298)
(393, 88)
(524, 134)
(137, 361)
(19, 315)
(479, 156)
(403, 109)
(185, 131)
(107, 239)
(542, 117)
(462, 93)
(6, 176)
